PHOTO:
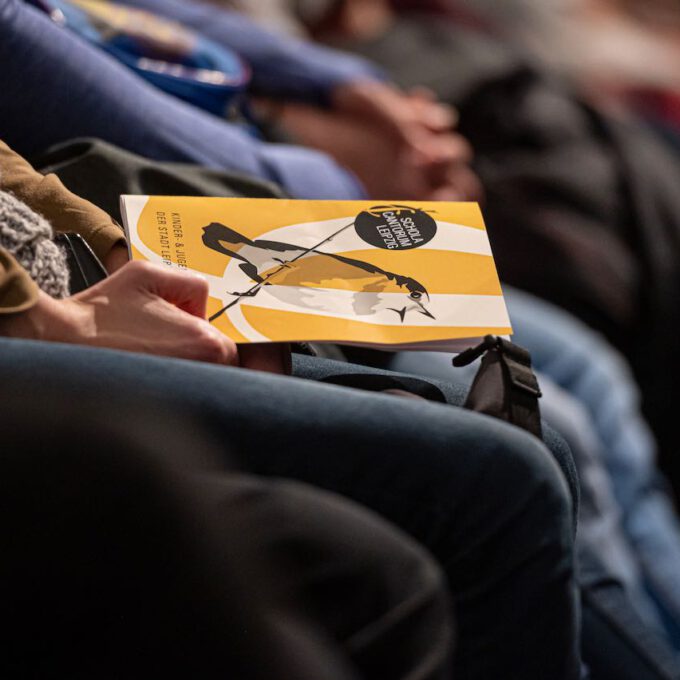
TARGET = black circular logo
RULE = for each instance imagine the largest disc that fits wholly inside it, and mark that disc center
(395, 227)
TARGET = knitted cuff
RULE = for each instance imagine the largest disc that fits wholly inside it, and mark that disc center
(28, 237)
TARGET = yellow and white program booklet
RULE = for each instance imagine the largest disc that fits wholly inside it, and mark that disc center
(412, 275)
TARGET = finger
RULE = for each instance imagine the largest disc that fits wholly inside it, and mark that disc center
(445, 193)
(456, 148)
(399, 114)
(225, 349)
(433, 113)
(270, 357)
(470, 184)
(185, 290)
(211, 346)
(462, 185)
(162, 328)
(443, 150)
(437, 117)
(443, 170)
(423, 92)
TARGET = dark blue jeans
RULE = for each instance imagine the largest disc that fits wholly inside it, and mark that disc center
(125, 559)
(487, 499)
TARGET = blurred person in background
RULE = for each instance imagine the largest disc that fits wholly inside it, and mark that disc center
(424, 156)
(606, 48)
(588, 370)
(581, 206)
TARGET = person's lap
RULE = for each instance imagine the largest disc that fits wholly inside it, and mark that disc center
(348, 575)
(576, 364)
(132, 549)
(452, 387)
(487, 499)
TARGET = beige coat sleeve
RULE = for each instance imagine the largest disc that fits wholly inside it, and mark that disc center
(17, 290)
(65, 211)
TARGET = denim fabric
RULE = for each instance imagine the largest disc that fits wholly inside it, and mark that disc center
(623, 498)
(76, 91)
(125, 559)
(599, 518)
(618, 645)
(601, 531)
(583, 364)
(454, 389)
(486, 498)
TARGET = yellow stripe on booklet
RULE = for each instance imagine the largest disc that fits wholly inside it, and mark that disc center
(412, 275)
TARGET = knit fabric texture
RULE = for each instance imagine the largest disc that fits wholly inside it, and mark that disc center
(28, 238)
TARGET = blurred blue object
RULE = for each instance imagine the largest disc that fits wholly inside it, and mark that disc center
(166, 54)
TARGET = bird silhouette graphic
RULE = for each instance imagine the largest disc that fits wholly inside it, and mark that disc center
(307, 277)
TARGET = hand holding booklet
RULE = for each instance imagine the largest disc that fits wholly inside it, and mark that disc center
(413, 275)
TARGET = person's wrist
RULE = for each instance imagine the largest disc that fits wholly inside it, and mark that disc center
(15, 325)
(48, 319)
(27, 324)
(353, 94)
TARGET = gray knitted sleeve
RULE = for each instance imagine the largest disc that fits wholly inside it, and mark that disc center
(28, 238)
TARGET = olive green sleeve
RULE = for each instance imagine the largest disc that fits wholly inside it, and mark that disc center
(18, 292)
(46, 195)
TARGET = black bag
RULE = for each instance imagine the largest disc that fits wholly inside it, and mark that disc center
(101, 172)
(505, 385)
(85, 268)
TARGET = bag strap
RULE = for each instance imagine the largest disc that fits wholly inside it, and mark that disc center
(505, 386)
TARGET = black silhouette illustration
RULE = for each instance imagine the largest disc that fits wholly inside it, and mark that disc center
(310, 278)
